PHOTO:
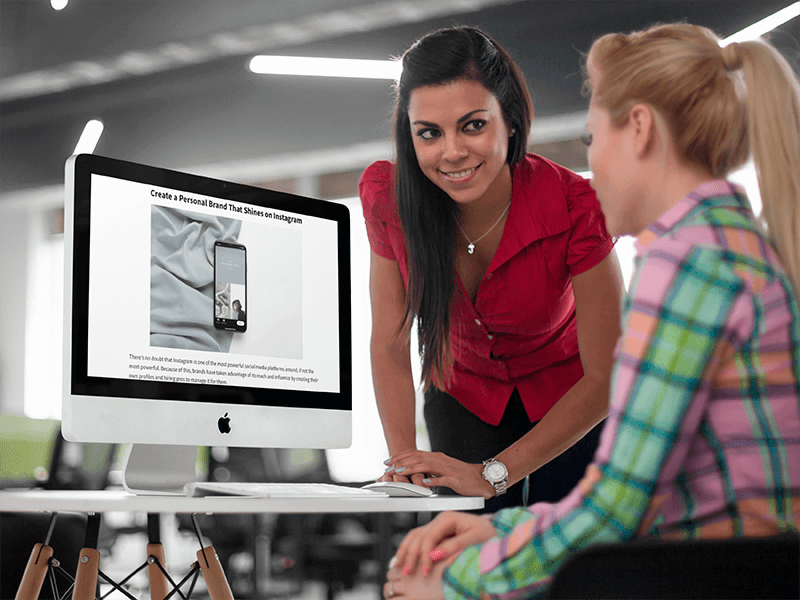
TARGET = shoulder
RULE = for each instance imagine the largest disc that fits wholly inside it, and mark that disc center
(376, 190)
(537, 172)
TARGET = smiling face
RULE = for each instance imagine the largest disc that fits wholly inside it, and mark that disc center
(461, 139)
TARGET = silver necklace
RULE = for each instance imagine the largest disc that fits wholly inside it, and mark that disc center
(471, 245)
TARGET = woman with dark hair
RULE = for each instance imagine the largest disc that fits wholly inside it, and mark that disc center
(504, 261)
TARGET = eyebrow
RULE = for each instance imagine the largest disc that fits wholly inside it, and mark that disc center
(461, 120)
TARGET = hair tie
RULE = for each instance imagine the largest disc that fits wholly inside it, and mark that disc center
(731, 60)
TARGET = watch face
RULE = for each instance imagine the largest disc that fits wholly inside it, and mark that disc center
(495, 471)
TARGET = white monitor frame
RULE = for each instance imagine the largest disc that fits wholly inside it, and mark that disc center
(183, 414)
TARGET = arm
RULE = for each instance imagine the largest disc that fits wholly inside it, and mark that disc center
(390, 354)
(674, 328)
(598, 296)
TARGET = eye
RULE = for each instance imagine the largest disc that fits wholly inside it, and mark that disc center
(475, 125)
(587, 139)
(428, 133)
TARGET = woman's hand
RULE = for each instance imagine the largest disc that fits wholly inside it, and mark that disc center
(442, 539)
(415, 586)
(437, 469)
(391, 474)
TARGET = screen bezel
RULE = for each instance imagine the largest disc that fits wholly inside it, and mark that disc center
(78, 384)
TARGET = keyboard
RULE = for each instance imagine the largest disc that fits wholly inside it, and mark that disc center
(278, 490)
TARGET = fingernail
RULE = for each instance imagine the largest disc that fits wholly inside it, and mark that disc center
(387, 461)
(400, 470)
(406, 570)
(425, 571)
(426, 481)
(393, 562)
(389, 468)
(437, 554)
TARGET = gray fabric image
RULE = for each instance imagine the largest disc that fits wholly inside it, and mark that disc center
(182, 278)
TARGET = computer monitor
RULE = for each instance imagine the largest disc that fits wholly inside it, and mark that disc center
(201, 312)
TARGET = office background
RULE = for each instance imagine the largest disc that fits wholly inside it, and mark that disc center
(171, 84)
(170, 81)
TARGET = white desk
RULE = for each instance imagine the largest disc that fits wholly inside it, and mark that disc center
(120, 501)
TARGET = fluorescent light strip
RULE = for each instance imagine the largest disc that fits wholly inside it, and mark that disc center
(756, 30)
(326, 67)
(89, 138)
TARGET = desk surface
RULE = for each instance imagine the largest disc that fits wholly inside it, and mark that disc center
(122, 501)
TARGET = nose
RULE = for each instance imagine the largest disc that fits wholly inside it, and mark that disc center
(453, 148)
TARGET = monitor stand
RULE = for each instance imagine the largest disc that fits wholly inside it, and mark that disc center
(155, 469)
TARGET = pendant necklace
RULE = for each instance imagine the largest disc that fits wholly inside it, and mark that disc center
(471, 245)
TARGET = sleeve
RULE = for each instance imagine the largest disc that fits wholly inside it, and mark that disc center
(376, 190)
(678, 309)
(589, 241)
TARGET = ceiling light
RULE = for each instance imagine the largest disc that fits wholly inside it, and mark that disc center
(58, 4)
(756, 30)
(89, 138)
(326, 67)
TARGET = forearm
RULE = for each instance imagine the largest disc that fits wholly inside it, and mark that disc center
(395, 397)
(572, 417)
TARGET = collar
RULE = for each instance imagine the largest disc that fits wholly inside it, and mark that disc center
(710, 194)
(536, 210)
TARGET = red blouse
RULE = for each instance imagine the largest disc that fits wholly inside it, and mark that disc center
(521, 330)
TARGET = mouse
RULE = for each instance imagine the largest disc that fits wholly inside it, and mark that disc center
(397, 489)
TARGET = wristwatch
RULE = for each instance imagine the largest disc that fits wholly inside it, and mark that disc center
(496, 473)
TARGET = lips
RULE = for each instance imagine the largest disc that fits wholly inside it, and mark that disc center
(462, 175)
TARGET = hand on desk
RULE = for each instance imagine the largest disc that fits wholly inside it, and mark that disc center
(427, 551)
(437, 469)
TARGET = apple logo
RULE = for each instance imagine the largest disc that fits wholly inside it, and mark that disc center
(224, 424)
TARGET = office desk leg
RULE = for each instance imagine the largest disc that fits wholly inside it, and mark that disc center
(218, 588)
(86, 575)
(159, 586)
(35, 572)
(88, 562)
(156, 561)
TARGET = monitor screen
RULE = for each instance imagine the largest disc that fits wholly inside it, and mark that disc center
(203, 312)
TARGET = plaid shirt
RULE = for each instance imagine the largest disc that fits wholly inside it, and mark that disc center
(703, 434)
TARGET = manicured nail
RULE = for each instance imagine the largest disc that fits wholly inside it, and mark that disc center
(437, 554)
(393, 562)
(389, 468)
(425, 571)
(426, 481)
(387, 461)
(406, 570)
(400, 470)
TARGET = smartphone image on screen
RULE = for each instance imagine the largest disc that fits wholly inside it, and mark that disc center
(230, 286)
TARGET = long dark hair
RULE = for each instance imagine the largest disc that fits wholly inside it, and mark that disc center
(428, 214)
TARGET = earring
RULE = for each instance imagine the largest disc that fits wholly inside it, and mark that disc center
(513, 131)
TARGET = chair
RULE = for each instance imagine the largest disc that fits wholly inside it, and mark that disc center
(743, 567)
(35, 455)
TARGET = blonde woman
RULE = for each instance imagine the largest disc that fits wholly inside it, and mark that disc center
(703, 435)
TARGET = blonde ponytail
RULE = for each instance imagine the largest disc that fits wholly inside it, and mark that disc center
(720, 104)
(773, 102)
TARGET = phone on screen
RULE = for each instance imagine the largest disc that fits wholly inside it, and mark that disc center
(230, 286)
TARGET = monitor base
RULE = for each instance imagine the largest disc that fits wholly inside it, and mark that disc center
(155, 469)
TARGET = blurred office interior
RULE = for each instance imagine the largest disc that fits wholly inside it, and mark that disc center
(171, 84)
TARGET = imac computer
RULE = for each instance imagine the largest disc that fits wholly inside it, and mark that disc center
(201, 312)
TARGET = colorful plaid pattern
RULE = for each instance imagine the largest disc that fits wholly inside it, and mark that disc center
(703, 433)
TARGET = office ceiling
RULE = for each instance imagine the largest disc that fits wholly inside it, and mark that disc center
(169, 78)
